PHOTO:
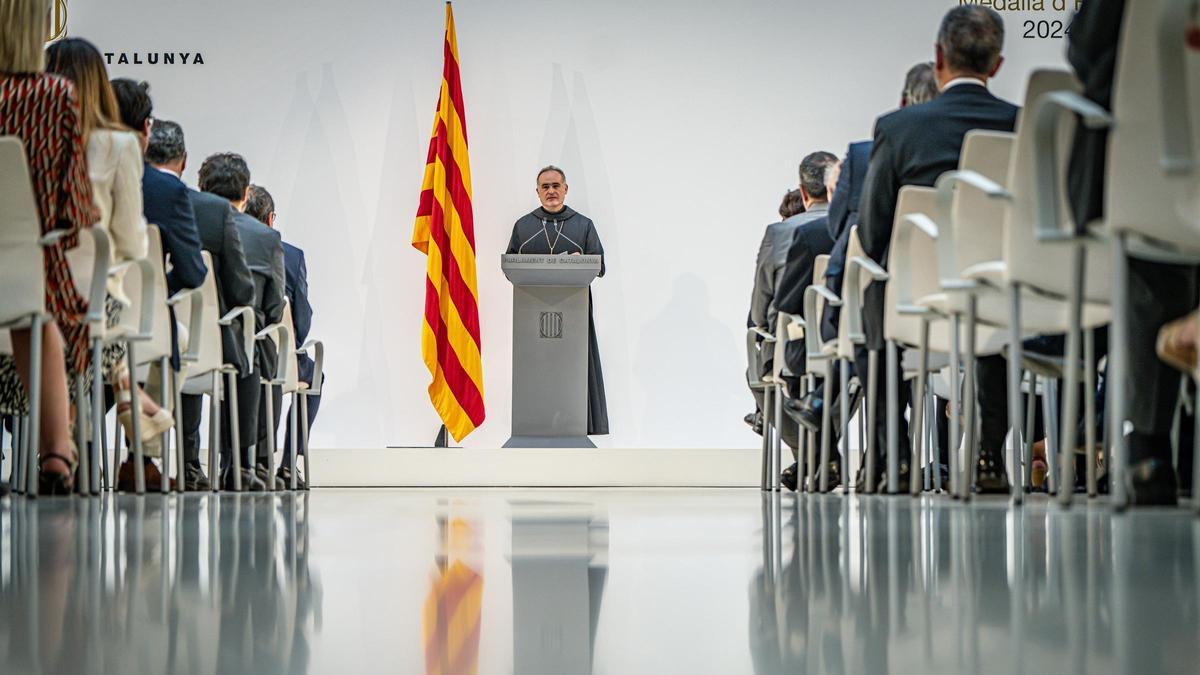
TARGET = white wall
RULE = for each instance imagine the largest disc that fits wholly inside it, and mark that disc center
(680, 125)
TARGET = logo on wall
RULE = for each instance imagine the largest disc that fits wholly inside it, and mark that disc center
(551, 325)
(58, 21)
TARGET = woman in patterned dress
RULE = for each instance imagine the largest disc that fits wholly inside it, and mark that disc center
(42, 111)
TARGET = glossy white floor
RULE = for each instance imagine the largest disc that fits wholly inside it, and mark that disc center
(601, 581)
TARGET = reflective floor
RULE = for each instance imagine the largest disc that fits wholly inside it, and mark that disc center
(557, 582)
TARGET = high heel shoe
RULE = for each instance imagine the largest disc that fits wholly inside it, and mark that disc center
(50, 483)
(1175, 346)
(152, 426)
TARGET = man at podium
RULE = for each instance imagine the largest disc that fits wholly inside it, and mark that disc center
(555, 229)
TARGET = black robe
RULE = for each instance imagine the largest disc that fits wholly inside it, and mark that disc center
(541, 233)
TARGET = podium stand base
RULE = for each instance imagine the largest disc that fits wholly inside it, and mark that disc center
(549, 442)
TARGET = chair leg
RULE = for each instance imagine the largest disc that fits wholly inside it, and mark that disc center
(970, 403)
(918, 417)
(270, 422)
(893, 418)
(767, 409)
(293, 414)
(776, 446)
(1015, 417)
(844, 422)
(1050, 414)
(1195, 462)
(872, 420)
(135, 415)
(826, 427)
(214, 433)
(1089, 410)
(20, 436)
(1118, 366)
(235, 436)
(1030, 419)
(99, 439)
(164, 402)
(955, 407)
(934, 457)
(304, 442)
(32, 435)
(1070, 410)
(83, 473)
(177, 396)
(803, 438)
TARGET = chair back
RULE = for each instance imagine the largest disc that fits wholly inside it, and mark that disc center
(846, 337)
(290, 378)
(22, 270)
(1028, 261)
(159, 344)
(979, 219)
(1154, 148)
(912, 256)
(812, 365)
(208, 357)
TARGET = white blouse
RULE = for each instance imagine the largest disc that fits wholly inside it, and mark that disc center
(115, 166)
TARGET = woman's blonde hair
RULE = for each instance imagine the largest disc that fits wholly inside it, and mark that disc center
(23, 27)
(80, 62)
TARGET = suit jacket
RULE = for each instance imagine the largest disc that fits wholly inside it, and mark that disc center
(913, 146)
(772, 257)
(264, 255)
(844, 206)
(810, 240)
(297, 292)
(235, 286)
(1092, 51)
(165, 203)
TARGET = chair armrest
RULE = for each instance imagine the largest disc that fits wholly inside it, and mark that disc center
(195, 321)
(318, 378)
(185, 294)
(948, 267)
(247, 314)
(812, 338)
(283, 335)
(763, 334)
(1048, 225)
(913, 222)
(53, 237)
(1173, 86)
(146, 319)
(100, 271)
(852, 292)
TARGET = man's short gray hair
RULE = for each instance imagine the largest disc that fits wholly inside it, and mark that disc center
(549, 168)
(166, 143)
(971, 38)
(920, 84)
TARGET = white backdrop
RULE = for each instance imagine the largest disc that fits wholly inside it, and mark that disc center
(680, 125)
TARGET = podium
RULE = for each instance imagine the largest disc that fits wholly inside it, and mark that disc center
(550, 349)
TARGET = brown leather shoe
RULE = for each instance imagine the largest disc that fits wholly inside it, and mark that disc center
(127, 482)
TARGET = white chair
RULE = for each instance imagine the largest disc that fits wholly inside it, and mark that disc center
(22, 305)
(299, 391)
(1152, 198)
(308, 391)
(285, 357)
(819, 359)
(860, 272)
(206, 364)
(759, 382)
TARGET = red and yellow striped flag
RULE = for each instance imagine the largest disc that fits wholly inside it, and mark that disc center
(445, 233)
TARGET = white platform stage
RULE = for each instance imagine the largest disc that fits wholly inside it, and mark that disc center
(511, 467)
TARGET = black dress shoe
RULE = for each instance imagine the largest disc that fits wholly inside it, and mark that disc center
(1152, 483)
(284, 475)
(903, 486)
(835, 475)
(755, 421)
(991, 478)
(807, 411)
(788, 478)
(194, 479)
(4, 489)
(260, 470)
(933, 475)
(250, 482)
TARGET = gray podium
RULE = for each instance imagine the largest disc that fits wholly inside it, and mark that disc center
(550, 349)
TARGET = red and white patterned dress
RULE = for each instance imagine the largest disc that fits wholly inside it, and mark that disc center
(42, 111)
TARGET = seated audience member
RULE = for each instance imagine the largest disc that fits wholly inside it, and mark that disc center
(235, 288)
(773, 255)
(227, 175)
(920, 86)
(43, 111)
(792, 204)
(914, 146)
(262, 206)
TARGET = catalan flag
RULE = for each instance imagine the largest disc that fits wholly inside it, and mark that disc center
(445, 233)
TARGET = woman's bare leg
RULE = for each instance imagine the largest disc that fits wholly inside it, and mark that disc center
(55, 415)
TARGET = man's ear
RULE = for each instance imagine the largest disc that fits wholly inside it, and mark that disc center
(996, 68)
(183, 163)
(939, 59)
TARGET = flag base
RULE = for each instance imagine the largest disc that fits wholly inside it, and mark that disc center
(443, 438)
(549, 442)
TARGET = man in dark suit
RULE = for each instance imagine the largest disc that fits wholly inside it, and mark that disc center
(262, 207)
(915, 145)
(227, 175)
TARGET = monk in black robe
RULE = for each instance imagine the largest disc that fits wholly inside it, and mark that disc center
(555, 228)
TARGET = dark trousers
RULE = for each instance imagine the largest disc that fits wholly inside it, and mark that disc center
(262, 444)
(1158, 294)
(903, 400)
(248, 400)
(314, 404)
